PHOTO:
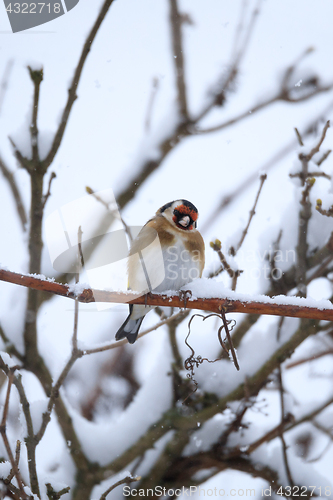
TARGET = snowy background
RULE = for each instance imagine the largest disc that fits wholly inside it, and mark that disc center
(105, 142)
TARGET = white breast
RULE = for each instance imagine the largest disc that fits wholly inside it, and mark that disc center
(167, 269)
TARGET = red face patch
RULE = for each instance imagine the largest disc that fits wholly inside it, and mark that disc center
(187, 211)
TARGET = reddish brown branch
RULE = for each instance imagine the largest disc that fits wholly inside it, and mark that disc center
(204, 304)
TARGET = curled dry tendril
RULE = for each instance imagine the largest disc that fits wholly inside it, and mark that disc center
(194, 361)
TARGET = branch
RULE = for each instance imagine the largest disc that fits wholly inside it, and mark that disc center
(15, 192)
(175, 421)
(263, 177)
(15, 469)
(76, 79)
(127, 479)
(216, 304)
(177, 52)
(4, 81)
(316, 148)
(37, 78)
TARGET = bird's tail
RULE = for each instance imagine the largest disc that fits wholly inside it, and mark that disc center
(130, 328)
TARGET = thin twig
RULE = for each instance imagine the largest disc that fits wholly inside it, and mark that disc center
(3, 433)
(127, 479)
(327, 213)
(263, 177)
(313, 357)
(177, 53)
(299, 137)
(226, 83)
(232, 349)
(15, 192)
(30, 441)
(37, 78)
(217, 247)
(112, 208)
(268, 165)
(72, 96)
(283, 417)
(4, 81)
(151, 102)
(77, 278)
(175, 317)
(316, 148)
(48, 194)
(280, 96)
(324, 157)
(54, 495)
(76, 354)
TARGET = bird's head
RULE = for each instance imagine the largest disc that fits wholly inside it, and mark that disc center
(181, 213)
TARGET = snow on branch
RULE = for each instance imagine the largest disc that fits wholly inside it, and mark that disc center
(215, 298)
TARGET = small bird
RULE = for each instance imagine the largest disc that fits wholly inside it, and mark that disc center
(168, 253)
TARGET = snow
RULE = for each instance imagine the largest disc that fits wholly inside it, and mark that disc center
(209, 289)
(104, 146)
(5, 468)
(103, 443)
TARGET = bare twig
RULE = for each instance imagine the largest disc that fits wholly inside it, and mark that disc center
(37, 78)
(24, 162)
(30, 441)
(280, 96)
(217, 247)
(313, 357)
(299, 137)
(263, 177)
(225, 84)
(324, 157)
(268, 165)
(316, 148)
(232, 349)
(327, 213)
(177, 53)
(283, 417)
(4, 81)
(76, 354)
(77, 277)
(15, 192)
(127, 479)
(112, 208)
(72, 96)
(54, 495)
(175, 317)
(3, 433)
(48, 194)
(151, 103)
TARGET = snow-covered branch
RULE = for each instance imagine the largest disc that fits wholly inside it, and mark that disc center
(213, 298)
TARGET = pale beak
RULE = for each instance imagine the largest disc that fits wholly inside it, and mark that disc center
(184, 221)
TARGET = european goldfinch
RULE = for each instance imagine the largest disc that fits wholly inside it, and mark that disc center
(168, 253)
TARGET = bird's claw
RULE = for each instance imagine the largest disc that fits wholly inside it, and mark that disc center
(148, 294)
(184, 295)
